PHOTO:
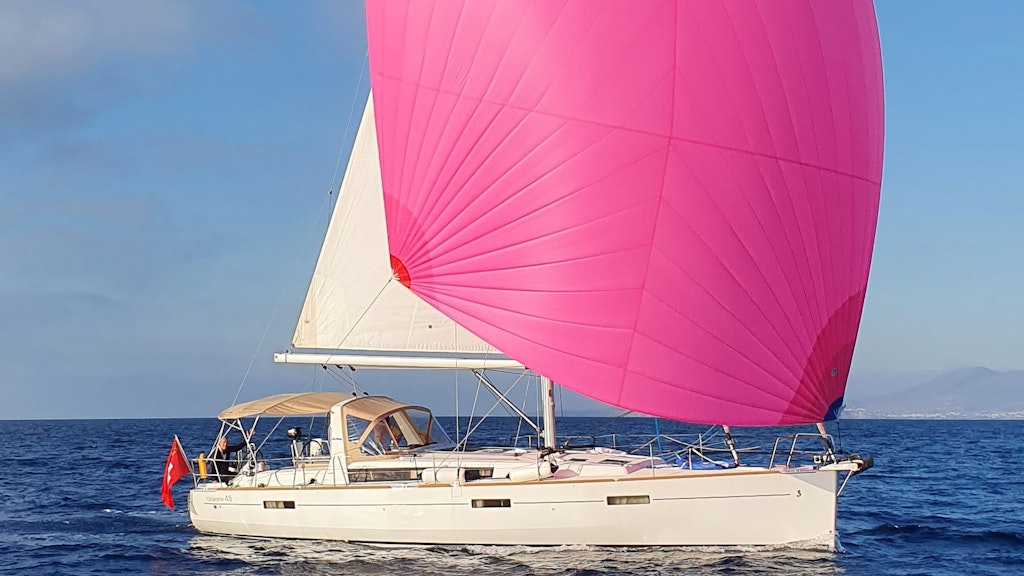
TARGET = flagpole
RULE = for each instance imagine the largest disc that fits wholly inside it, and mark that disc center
(188, 463)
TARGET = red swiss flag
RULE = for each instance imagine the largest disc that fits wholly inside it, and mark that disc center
(176, 467)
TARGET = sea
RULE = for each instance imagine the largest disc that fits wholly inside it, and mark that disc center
(945, 498)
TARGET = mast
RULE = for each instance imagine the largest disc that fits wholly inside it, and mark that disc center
(548, 391)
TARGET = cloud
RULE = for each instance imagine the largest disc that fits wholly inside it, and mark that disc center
(45, 40)
(154, 160)
(54, 52)
(66, 61)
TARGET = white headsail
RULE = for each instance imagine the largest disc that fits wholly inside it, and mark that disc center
(354, 304)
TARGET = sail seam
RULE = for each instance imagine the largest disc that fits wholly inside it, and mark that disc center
(803, 305)
(456, 172)
(408, 173)
(486, 131)
(657, 135)
(819, 370)
(784, 342)
(566, 198)
(519, 336)
(749, 360)
(793, 356)
(811, 226)
(804, 337)
(525, 158)
(428, 211)
(706, 394)
(657, 215)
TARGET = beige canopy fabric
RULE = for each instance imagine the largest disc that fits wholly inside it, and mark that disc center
(370, 407)
(301, 404)
(385, 423)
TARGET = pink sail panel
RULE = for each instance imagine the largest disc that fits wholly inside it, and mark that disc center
(666, 206)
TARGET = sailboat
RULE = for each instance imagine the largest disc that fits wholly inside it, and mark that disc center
(668, 207)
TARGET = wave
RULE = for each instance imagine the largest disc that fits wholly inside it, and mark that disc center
(926, 533)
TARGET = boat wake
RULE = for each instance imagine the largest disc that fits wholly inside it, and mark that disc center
(372, 559)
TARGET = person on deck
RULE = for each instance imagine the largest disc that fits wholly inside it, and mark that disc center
(223, 461)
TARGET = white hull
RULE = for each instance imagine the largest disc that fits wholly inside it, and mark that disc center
(723, 507)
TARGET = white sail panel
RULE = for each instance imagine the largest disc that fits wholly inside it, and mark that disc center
(354, 302)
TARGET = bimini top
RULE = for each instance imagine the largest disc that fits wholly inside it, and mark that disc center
(301, 404)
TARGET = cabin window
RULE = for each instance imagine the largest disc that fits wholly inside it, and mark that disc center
(354, 428)
(399, 430)
(420, 420)
(471, 474)
(381, 475)
(492, 503)
(621, 500)
(391, 436)
(374, 444)
(279, 504)
(385, 436)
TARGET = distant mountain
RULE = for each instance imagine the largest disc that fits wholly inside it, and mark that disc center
(975, 392)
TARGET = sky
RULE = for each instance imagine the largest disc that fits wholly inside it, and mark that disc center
(164, 178)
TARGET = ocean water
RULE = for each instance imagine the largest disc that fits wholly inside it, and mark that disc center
(83, 497)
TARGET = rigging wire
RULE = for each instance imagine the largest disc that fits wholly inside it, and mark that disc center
(498, 402)
(839, 436)
(309, 236)
(277, 308)
(348, 124)
(469, 419)
(611, 421)
(344, 379)
(519, 425)
(458, 429)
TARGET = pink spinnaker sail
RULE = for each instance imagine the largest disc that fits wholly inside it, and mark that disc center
(666, 206)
